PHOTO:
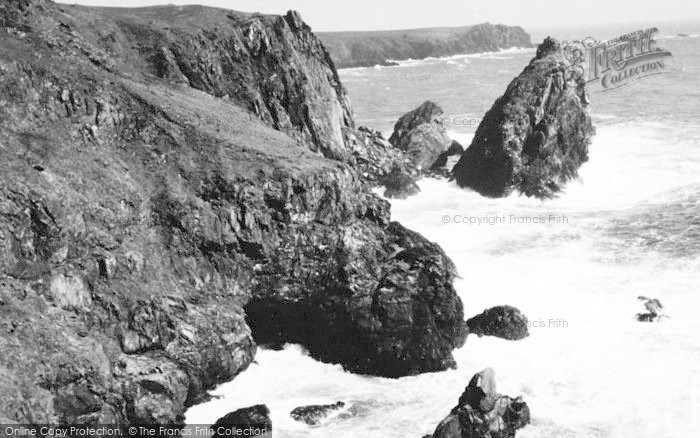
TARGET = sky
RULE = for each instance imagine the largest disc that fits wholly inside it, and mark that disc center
(337, 15)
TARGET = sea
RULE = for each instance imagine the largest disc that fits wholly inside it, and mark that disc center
(629, 226)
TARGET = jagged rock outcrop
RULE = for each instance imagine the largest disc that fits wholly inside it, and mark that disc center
(139, 215)
(274, 66)
(383, 296)
(375, 158)
(483, 413)
(421, 134)
(313, 414)
(505, 322)
(367, 49)
(250, 421)
(536, 136)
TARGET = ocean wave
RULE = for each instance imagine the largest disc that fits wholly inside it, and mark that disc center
(463, 57)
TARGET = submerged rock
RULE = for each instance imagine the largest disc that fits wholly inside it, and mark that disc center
(483, 413)
(505, 322)
(421, 134)
(313, 414)
(251, 421)
(536, 136)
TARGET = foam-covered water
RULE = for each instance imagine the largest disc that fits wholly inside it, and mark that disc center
(629, 226)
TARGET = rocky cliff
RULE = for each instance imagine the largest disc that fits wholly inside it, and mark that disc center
(536, 136)
(164, 188)
(367, 49)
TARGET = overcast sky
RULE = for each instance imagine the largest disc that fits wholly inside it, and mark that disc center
(332, 15)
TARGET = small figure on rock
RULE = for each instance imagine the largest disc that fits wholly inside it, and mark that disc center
(654, 310)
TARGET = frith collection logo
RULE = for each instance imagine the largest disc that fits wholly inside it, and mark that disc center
(606, 65)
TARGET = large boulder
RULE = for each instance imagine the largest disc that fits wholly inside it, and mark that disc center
(536, 136)
(313, 414)
(505, 322)
(250, 421)
(421, 134)
(483, 413)
(376, 301)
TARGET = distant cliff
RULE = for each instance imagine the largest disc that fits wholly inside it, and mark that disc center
(366, 49)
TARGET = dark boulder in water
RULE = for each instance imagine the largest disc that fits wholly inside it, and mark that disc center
(536, 136)
(483, 413)
(399, 184)
(421, 134)
(313, 414)
(382, 301)
(505, 322)
(254, 419)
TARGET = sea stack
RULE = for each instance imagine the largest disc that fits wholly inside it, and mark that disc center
(536, 136)
(483, 413)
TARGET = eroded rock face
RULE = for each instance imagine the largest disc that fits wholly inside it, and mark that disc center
(505, 322)
(421, 134)
(535, 137)
(313, 414)
(375, 158)
(251, 421)
(274, 66)
(383, 297)
(139, 215)
(483, 413)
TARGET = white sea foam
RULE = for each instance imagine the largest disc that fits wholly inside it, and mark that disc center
(462, 58)
(603, 375)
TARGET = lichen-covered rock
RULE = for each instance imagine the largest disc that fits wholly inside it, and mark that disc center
(483, 413)
(70, 292)
(505, 322)
(313, 414)
(421, 134)
(251, 421)
(535, 137)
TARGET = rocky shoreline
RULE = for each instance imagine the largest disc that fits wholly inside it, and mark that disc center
(163, 194)
(182, 184)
